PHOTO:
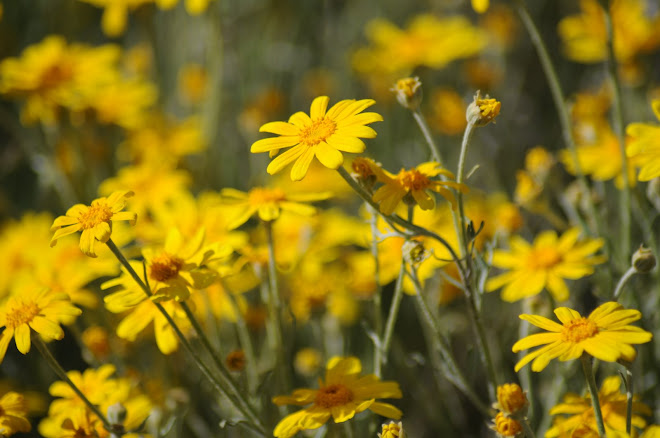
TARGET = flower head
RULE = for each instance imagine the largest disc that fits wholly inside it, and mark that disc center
(644, 146)
(392, 430)
(511, 398)
(343, 394)
(482, 111)
(13, 414)
(408, 92)
(413, 186)
(604, 334)
(544, 264)
(506, 426)
(95, 221)
(324, 133)
(33, 309)
(575, 415)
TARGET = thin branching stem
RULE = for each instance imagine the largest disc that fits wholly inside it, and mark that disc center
(587, 368)
(622, 282)
(424, 127)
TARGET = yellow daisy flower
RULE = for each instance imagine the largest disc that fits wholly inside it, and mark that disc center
(544, 264)
(324, 134)
(413, 186)
(344, 394)
(580, 411)
(604, 334)
(13, 414)
(645, 146)
(32, 309)
(95, 221)
(268, 203)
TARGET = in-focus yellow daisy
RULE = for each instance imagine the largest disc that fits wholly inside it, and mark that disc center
(544, 264)
(268, 203)
(414, 186)
(32, 309)
(578, 412)
(644, 146)
(13, 414)
(604, 334)
(343, 394)
(94, 221)
(324, 134)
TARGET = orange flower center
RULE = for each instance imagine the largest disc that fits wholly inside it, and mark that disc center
(165, 267)
(543, 258)
(333, 395)
(55, 75)
(317, 132)
(578, 330)
(259, 196)
(506, 426)
(21, 313)
(413, 180)
(94, 215)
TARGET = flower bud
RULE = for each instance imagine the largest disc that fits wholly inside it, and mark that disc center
(506, 426)
(482, 111)
(408, 92)
(643, 260)
(511, 399)
(392, 430)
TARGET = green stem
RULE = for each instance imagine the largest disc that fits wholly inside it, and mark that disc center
(254, 423)
(424, 127)
(275, 310)
(467, 136)
(562, 110)
(54, 364)
(629, 399)
(391, 319)
(245, 340)
(619, 287)
(617, 124)
(593, 391)
(529, 432)
(378, 318)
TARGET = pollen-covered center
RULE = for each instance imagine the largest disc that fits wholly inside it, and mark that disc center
(333, 395)
(259, 196)
(55, 75)
(318, 131)
(413, 180)
(165, 267)
(578, 330)
(22, 313)
(94, 215)
(544, 258)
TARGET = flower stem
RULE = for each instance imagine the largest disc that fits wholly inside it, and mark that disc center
(562, 110)
(617, 124)
(253, 421)
(378, 318)
(391, 319)
(275, 310)
(424, 127)
(54, 364)
(587, 368)
(622, 282)
(629, 399)
(529, 432)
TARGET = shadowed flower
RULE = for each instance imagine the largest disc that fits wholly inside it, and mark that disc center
(38, 310)
(343, 394)
(13, 414)
(544, 264)
(604, 334)
(94, 221)
(324, 134)
(578, 412)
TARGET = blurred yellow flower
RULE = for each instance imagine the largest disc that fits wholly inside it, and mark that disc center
(343, 394)
(584, 35)
(544, 264)
(538, 162)
(428, 41)
(13, 414)
(95, 221)
(268, 203)
(577, 411)
(644, 146)
(193, 7)
(480, 6)
(605, 334)
(447, 111)
(192, 83)
(38, 310)
(505, 426)
(307, 362)
(324, 134)
(115, 14)
(414, 186)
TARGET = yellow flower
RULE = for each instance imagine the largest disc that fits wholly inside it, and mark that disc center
(192, 83)
(413, 187)
(193, 7)
(645, 146)
(37, 310)
(604, 334)
(343, 394)
(538, 162)
(324, 134)
(392, 430)
(482, 111)
(448, 111)
(268, 203)
(95, 221)
(510, 398)
(544, 264)
(506, 426)
(653, 431)
(408, 92)
(13, 414)
(480, 6)
(580, 411)
(115, 14)
(307, 362)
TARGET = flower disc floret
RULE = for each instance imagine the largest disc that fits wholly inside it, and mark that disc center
(506, 426)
